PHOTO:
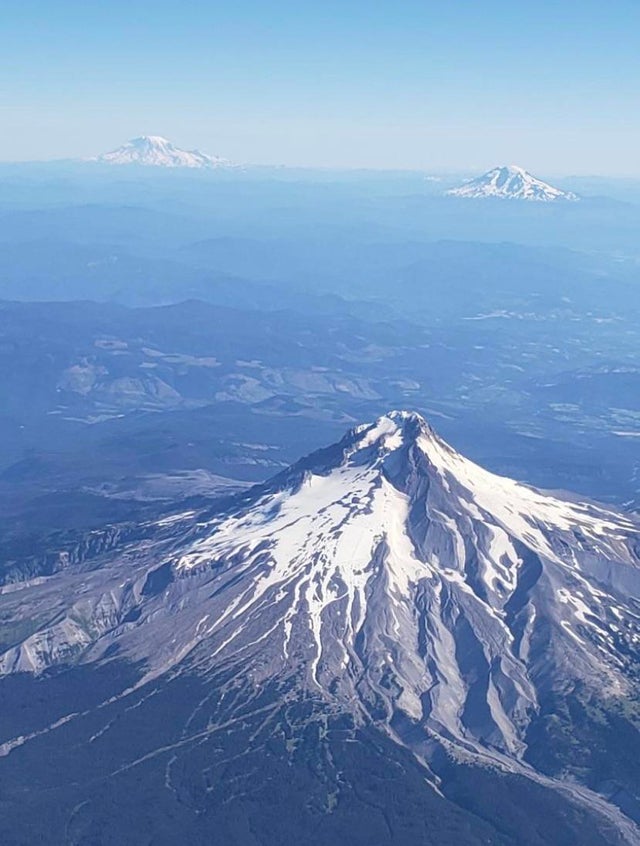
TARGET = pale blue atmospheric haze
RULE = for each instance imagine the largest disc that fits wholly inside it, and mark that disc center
(457, 85)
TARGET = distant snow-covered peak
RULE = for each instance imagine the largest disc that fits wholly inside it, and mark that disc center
(156, 151)
(510, 182)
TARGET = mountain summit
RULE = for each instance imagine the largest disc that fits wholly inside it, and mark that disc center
(510, 183)
(383, 621)
(155, 151)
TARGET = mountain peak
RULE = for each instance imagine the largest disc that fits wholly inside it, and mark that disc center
(510, 182)
(157, 151)
(403, 426)
(391, 436)
(386, 578)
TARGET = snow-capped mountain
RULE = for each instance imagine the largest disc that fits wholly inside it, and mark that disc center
(385, 583)
(510, 183)
(155, 151)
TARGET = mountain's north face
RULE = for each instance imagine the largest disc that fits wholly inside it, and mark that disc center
(386, 643)
(155, 151)
(510, 183)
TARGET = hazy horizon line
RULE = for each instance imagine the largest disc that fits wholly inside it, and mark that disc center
(441, 171)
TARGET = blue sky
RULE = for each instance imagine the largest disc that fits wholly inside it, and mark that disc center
(458, 85)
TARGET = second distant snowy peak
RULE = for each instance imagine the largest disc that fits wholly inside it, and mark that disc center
(510, 183)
